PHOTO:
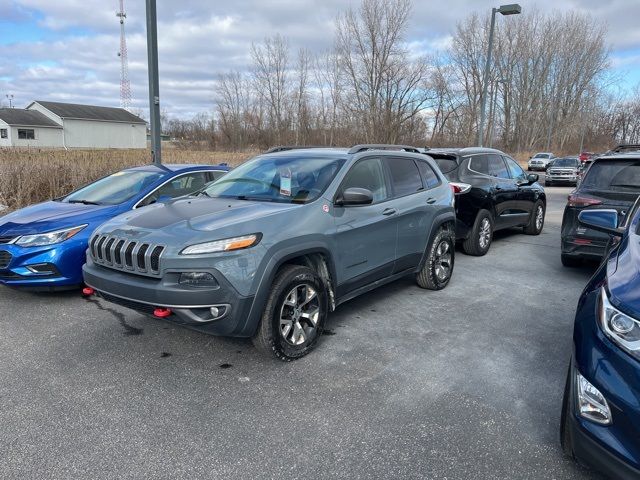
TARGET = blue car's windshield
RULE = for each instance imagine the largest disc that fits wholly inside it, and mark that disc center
(288, 179)
(114, 189)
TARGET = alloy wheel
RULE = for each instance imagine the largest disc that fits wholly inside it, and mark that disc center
(485, 233)
(539, 217)
(442, 261)
(299, 314)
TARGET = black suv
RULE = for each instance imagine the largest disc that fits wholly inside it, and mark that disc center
(493, 193)
(612, 181)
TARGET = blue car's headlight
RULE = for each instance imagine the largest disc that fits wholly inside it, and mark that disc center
(50, 238)
(619, 327)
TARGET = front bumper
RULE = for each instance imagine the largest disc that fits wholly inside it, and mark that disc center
(572, 179)
(612, 448)
(190, 306)
(60, 265)
(537, 166)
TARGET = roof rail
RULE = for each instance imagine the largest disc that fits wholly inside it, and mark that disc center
(626, 147)
(284, 148)
(382, 146)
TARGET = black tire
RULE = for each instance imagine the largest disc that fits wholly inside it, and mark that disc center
(272, 337)
(566, 442)
(536, 222)
(477, 244)
(436, 272)
(569, 261)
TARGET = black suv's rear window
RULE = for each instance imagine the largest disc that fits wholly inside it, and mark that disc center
(613, 175)
(447, 165)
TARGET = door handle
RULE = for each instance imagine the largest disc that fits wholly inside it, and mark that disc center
(431, 201)
(389, 211)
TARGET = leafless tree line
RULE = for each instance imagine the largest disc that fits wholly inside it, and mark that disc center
(549, 87)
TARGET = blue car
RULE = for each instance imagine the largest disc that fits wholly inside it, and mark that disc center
(42, 247)
(601, 410)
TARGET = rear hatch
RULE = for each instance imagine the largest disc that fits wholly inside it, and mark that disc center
(609, 183)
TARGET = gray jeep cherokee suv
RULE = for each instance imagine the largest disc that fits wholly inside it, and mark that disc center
(269, 249)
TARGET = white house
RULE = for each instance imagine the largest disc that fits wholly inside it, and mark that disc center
(56, 124)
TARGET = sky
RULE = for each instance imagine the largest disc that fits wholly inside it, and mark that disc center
(66, 50)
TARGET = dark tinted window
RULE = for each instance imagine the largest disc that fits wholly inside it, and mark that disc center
(497, 167)
(216, 174)
(480, 164)
(613, 175)
(367, 174)
(179, 186)
(447, 165)
(429, 177)
(405, 176)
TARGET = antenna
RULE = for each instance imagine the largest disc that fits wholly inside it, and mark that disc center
(125, 85)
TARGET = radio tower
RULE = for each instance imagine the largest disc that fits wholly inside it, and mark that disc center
(125, 85)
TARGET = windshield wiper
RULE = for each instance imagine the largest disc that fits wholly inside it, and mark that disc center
(84, 202)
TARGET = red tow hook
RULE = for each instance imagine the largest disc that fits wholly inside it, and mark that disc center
(88, 291)
(162, 312)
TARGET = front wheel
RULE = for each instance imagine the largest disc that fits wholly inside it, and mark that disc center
(536, 222)
(294, 315)
(436, 272)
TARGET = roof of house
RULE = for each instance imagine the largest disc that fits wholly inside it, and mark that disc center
(90, 112)
(26, 118)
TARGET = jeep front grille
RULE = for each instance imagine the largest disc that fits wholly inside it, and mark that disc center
(127, 255)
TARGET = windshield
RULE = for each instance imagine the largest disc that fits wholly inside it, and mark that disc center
(614, 175)
(114, 189)
(278, 179)
(541, 155)
(565, 162)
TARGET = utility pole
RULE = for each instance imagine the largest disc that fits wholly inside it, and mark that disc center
(154, 87)
(10, 97)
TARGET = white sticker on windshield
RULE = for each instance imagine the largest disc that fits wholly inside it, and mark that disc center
(285, 182)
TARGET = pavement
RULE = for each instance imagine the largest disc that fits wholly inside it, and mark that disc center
(464, 383)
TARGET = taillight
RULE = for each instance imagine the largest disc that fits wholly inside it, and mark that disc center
(459, 188)
(579, 201)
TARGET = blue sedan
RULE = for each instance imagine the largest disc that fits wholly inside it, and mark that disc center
(601, 411)
(42, 247)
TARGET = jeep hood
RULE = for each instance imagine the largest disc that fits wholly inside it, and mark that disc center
(201, 214)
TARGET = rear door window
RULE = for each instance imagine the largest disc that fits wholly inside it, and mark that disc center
(429, 177)
(405, 176)
(480, 164)
(613, 175)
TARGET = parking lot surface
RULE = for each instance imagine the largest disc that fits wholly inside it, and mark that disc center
(462, 383)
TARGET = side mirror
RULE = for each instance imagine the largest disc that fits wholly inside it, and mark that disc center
(355, 196)
(602, 220)
(533, 178)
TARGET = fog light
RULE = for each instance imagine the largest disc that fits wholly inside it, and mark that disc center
(591, 403)
(214, 312)
(198, 279)
(218, 312)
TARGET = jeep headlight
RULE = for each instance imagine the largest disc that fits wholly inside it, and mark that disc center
(226, 245)
(50, 238)
(619, 327)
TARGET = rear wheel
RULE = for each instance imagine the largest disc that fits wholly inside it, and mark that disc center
(481, 235)
(569, 261)
(536, 222)
(438, 266)
(294, 315)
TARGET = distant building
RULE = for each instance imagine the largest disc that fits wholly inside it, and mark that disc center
(66, 125)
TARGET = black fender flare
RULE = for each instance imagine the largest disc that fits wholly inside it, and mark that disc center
(438, 221)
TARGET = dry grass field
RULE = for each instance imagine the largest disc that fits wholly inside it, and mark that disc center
(34, 175)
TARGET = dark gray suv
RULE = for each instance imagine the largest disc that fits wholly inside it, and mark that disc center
(272, 247)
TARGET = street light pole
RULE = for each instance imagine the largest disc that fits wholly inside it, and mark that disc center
(154, 87)
(511, 9)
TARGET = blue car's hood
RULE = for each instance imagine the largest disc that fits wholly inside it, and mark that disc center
(49, 216)
(624, 277)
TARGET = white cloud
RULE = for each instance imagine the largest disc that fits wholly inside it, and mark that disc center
(199, 39)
